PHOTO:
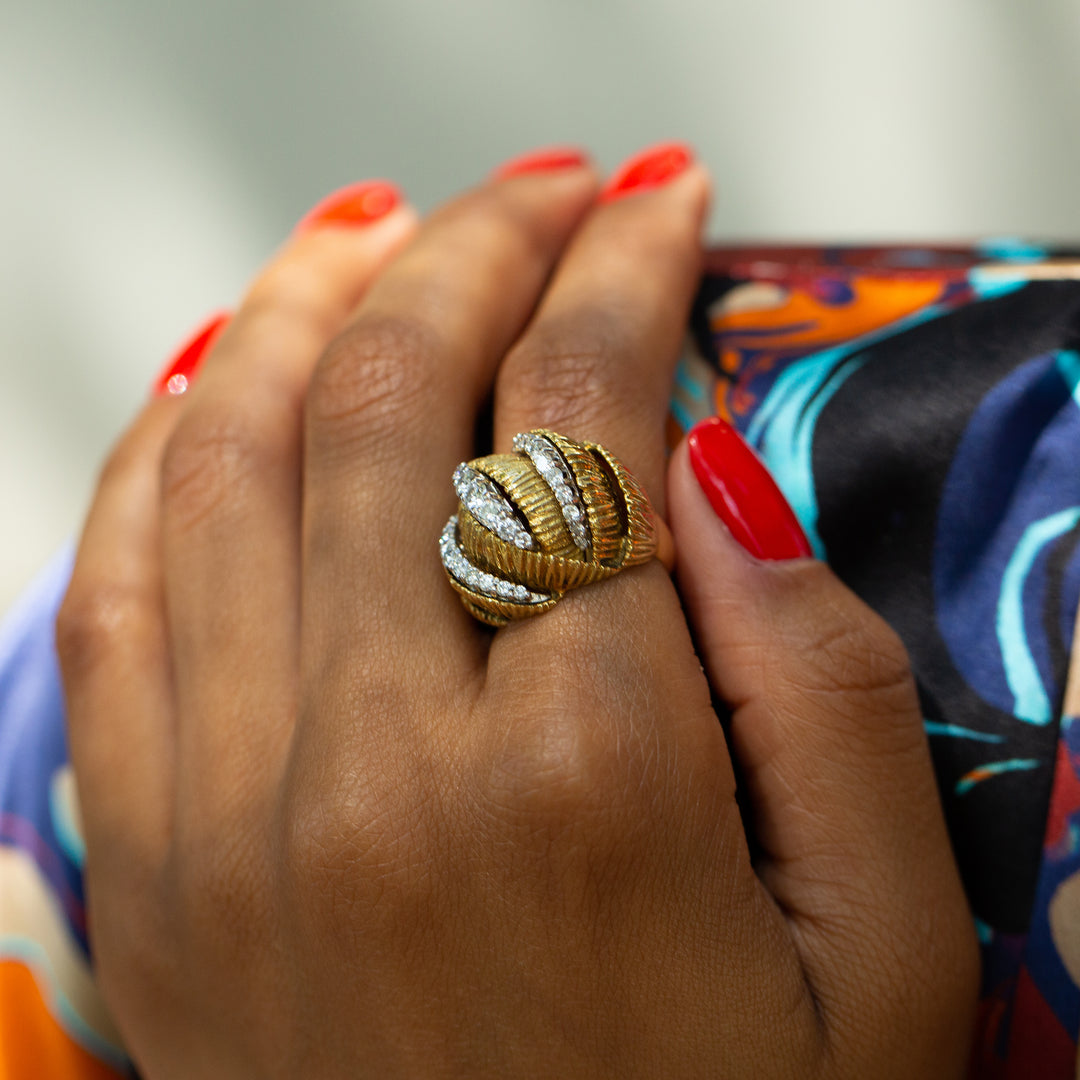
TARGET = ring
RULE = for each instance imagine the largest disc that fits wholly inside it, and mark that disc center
(533, 525)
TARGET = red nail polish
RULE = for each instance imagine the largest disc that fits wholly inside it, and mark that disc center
(649, 169)
(179, 372)
(550, 159)
(743, 494)
(357, 204)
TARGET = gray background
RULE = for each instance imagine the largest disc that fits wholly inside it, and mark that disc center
(153, 154)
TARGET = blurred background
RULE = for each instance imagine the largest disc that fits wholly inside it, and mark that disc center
(155, 153)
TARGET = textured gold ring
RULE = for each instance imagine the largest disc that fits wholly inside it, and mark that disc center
(532, 525)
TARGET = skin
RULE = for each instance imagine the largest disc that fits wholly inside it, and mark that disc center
(336, 828)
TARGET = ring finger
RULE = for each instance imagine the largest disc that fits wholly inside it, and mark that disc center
(596, 364)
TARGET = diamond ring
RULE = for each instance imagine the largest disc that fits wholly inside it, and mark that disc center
(533, 525)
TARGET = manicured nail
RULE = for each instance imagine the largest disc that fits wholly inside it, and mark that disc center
(550, 159)
(180, 371)
(355, 205)
(649, 169)
(743, 494)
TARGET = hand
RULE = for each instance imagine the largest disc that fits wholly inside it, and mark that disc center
(335, 828)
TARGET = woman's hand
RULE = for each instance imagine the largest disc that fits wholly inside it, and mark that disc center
(337, 828)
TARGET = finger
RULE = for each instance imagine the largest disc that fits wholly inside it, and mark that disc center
(597, 360)
(393, 408)
(231, 497)
(112, 641)
(596, 364)
(827, 729)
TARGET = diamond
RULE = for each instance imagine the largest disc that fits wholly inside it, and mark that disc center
(490, 507)
(558, 477)
(472, 577)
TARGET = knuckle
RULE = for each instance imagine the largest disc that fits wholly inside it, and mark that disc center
(493, 218)
(291, 291)
(370, 378)
(863, 657)
(889, 663)
(542, 769)
(98, 620)
(565, 802)
(214, 455)
(559, 376)
(317, 837)
(356, 843)
(840, 646)
(566, 764)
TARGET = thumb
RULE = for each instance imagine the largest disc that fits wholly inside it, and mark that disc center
(827, 730)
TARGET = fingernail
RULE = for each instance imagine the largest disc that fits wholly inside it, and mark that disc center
(549, 159)
(649, 169)
(355, 205)
(180, 371)
(743, 494)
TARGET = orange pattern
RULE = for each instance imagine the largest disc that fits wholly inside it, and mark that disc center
(751, 338)
(33, 1046)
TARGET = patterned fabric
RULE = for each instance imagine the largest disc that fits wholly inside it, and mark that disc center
(53, 1023)
(920, 408)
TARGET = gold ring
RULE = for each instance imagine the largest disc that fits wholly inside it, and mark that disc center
(533, 525)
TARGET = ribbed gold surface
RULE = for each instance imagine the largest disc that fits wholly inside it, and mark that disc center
(516, 475)
(640, 536)
(534, 569)
(621, 530)
(498, 612)
(600, 501)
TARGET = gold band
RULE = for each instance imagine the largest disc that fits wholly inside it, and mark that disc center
(553, 516)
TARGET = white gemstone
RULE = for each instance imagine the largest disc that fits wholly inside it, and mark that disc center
(472, 577)
(489, 506)
(548, 461)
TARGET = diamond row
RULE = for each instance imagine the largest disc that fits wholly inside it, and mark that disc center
(490, 507)
(557, 476)
(472, 577)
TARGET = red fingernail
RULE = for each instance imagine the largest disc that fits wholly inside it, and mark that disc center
(178, 374)
(649, 169)
(550, 159)
(743, 494)
(357, 204)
